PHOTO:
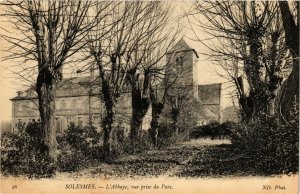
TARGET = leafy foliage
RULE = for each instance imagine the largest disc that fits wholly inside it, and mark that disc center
(273, 147)
(213, 130)
(23, 154)
(167, 136)
(78, 148)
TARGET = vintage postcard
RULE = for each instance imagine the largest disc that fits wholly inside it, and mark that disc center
(197, 97)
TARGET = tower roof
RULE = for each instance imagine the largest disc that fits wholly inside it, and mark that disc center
(182, 46)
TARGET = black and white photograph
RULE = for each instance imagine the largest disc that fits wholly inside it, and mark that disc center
(149, 96)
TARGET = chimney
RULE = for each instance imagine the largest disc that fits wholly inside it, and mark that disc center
(19, 93)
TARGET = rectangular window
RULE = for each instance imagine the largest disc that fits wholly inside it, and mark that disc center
(63, 104)
(19, 107)
(58, 104)
(58, 128)
(68, 104)
(80, 122)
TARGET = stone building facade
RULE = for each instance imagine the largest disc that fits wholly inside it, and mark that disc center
(78, 99)
(75, 101)
(183, 60)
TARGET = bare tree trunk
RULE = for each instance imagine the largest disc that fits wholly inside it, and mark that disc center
(175, 114)
(157, 108)
(46, 93)
(261, 98)
(51, 33)
(140, 107)
(245, 102)
(108, 120)
(275, 79)
(108, 128)
(290, 90)
(253, 69)
(289, 98)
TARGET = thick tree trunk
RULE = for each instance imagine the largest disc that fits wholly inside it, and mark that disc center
(175, 115)
(45, 89)
(256, 102)
(140, 107)
(244, 101)
(157, 108)
(275, 78)
(258, 90)
(108, 120)
(136, 126)
(289, 99)
(108, 129)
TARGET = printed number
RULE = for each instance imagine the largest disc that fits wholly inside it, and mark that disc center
(14, 187)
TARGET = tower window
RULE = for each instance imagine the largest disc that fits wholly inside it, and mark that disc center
(179, 61)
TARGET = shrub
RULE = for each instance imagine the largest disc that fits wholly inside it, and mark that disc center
(272, 147)
(167, 137)
(13, 157)
(70, 160)
(82, 138)
(120, 143)
(214, 130)
(21, 154)
(123, 144)
(79, 147)
(146, 142)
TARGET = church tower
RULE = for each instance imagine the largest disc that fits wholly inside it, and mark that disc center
(180, 69)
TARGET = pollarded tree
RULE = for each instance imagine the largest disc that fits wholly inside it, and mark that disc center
(159, 91)
(111, 45)
(44, 36)
(172, 90)
(246, 38)
(128, 47)
(156, 35)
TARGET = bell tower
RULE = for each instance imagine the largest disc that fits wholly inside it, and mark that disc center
(180, 69)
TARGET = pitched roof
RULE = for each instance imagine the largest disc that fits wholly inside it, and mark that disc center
(206, 113)
(76, 86)
(182, 46)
